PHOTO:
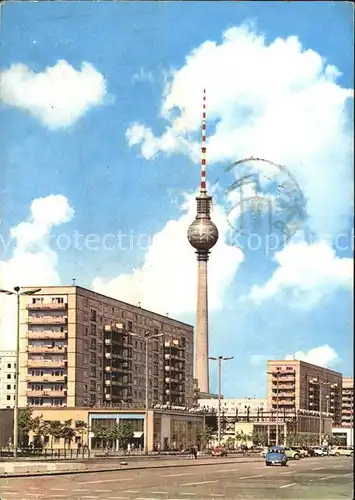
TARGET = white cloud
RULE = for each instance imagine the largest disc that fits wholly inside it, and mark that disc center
(33, 262)
(167, 280)
(305, 274)
(59, 96)
(274, 100)
(323, 355)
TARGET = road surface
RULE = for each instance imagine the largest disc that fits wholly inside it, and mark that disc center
(313, 478)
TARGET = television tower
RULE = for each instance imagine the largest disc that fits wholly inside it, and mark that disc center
(202, 235)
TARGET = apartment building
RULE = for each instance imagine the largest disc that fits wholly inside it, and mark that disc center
(347, 405)
(294, 385)
(7, 378)
(81, 348)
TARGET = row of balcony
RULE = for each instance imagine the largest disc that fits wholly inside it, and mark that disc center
(47, 320)
(32, 335)
(47, 393)
(46, 378)
(47, 305)
(46, 363)
(45, 348)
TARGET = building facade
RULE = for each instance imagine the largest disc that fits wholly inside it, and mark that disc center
(81, 348)
(167, 430)
(7, 378)
(235, 406)
(347, 404)
(297, 385)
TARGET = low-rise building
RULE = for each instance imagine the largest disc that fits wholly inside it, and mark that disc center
(234, 406)
(167, 429)
(7, 378)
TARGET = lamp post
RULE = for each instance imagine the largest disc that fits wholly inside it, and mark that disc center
(320, 385)
(277, 375)
(220, 359)
(17, 291)
(147, 337)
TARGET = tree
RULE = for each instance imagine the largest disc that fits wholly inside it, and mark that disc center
(206, 436)
(125, 434)
(68, 433)
(102, 432)
(113, 435)
(55, 430)
(229, 443)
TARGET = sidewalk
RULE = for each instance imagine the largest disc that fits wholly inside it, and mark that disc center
(18, 469)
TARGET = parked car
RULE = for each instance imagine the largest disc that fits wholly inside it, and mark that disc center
(302, 451)
(291, 453)
(219, 451)
(276, 456)
(319, 451)
(342, 450)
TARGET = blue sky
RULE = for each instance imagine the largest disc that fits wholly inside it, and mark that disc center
(113, 152)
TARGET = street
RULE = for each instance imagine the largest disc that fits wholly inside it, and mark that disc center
(314, 478)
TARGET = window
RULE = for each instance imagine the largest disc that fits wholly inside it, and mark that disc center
(93, 329)
(9, 365)
(8, 376)
(92, 398)
(93, 371)
(93, 315)
(8, 398)
(129, 326)
(93, 344)
(92, 385)
(93, 358)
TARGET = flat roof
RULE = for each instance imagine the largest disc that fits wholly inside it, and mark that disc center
(76, 287)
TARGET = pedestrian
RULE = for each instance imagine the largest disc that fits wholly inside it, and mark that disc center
(194, 452)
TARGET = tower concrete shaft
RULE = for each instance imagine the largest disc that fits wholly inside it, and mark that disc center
(201, 349)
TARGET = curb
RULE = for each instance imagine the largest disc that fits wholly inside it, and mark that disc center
(122, 468)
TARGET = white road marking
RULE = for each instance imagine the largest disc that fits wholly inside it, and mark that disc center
(58, 489)
(215, 495)
(131, 491)
(349, 474)
(30, 487)
(288, 485)
(188, 494)
(200, 482)
(160, 492)
(107, 480)
(181, 474)
(337, 466)
(81, 491)
(10, 493)
(326, 477)
(318, 468)
(284, 473)
(250, 477)
(103, 491)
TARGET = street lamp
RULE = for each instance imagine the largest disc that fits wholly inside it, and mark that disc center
(277, 375)
(220, 359)
(320, 385)
(147, 337)
(18, 293)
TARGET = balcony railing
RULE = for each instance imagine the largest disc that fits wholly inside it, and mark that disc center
(46, 393)
(46, 335)
(47, 305)
(45, 378)
(54, 350)
(47, 320)
(46, 363)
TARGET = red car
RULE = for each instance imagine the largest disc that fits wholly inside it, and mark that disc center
(219, 451)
